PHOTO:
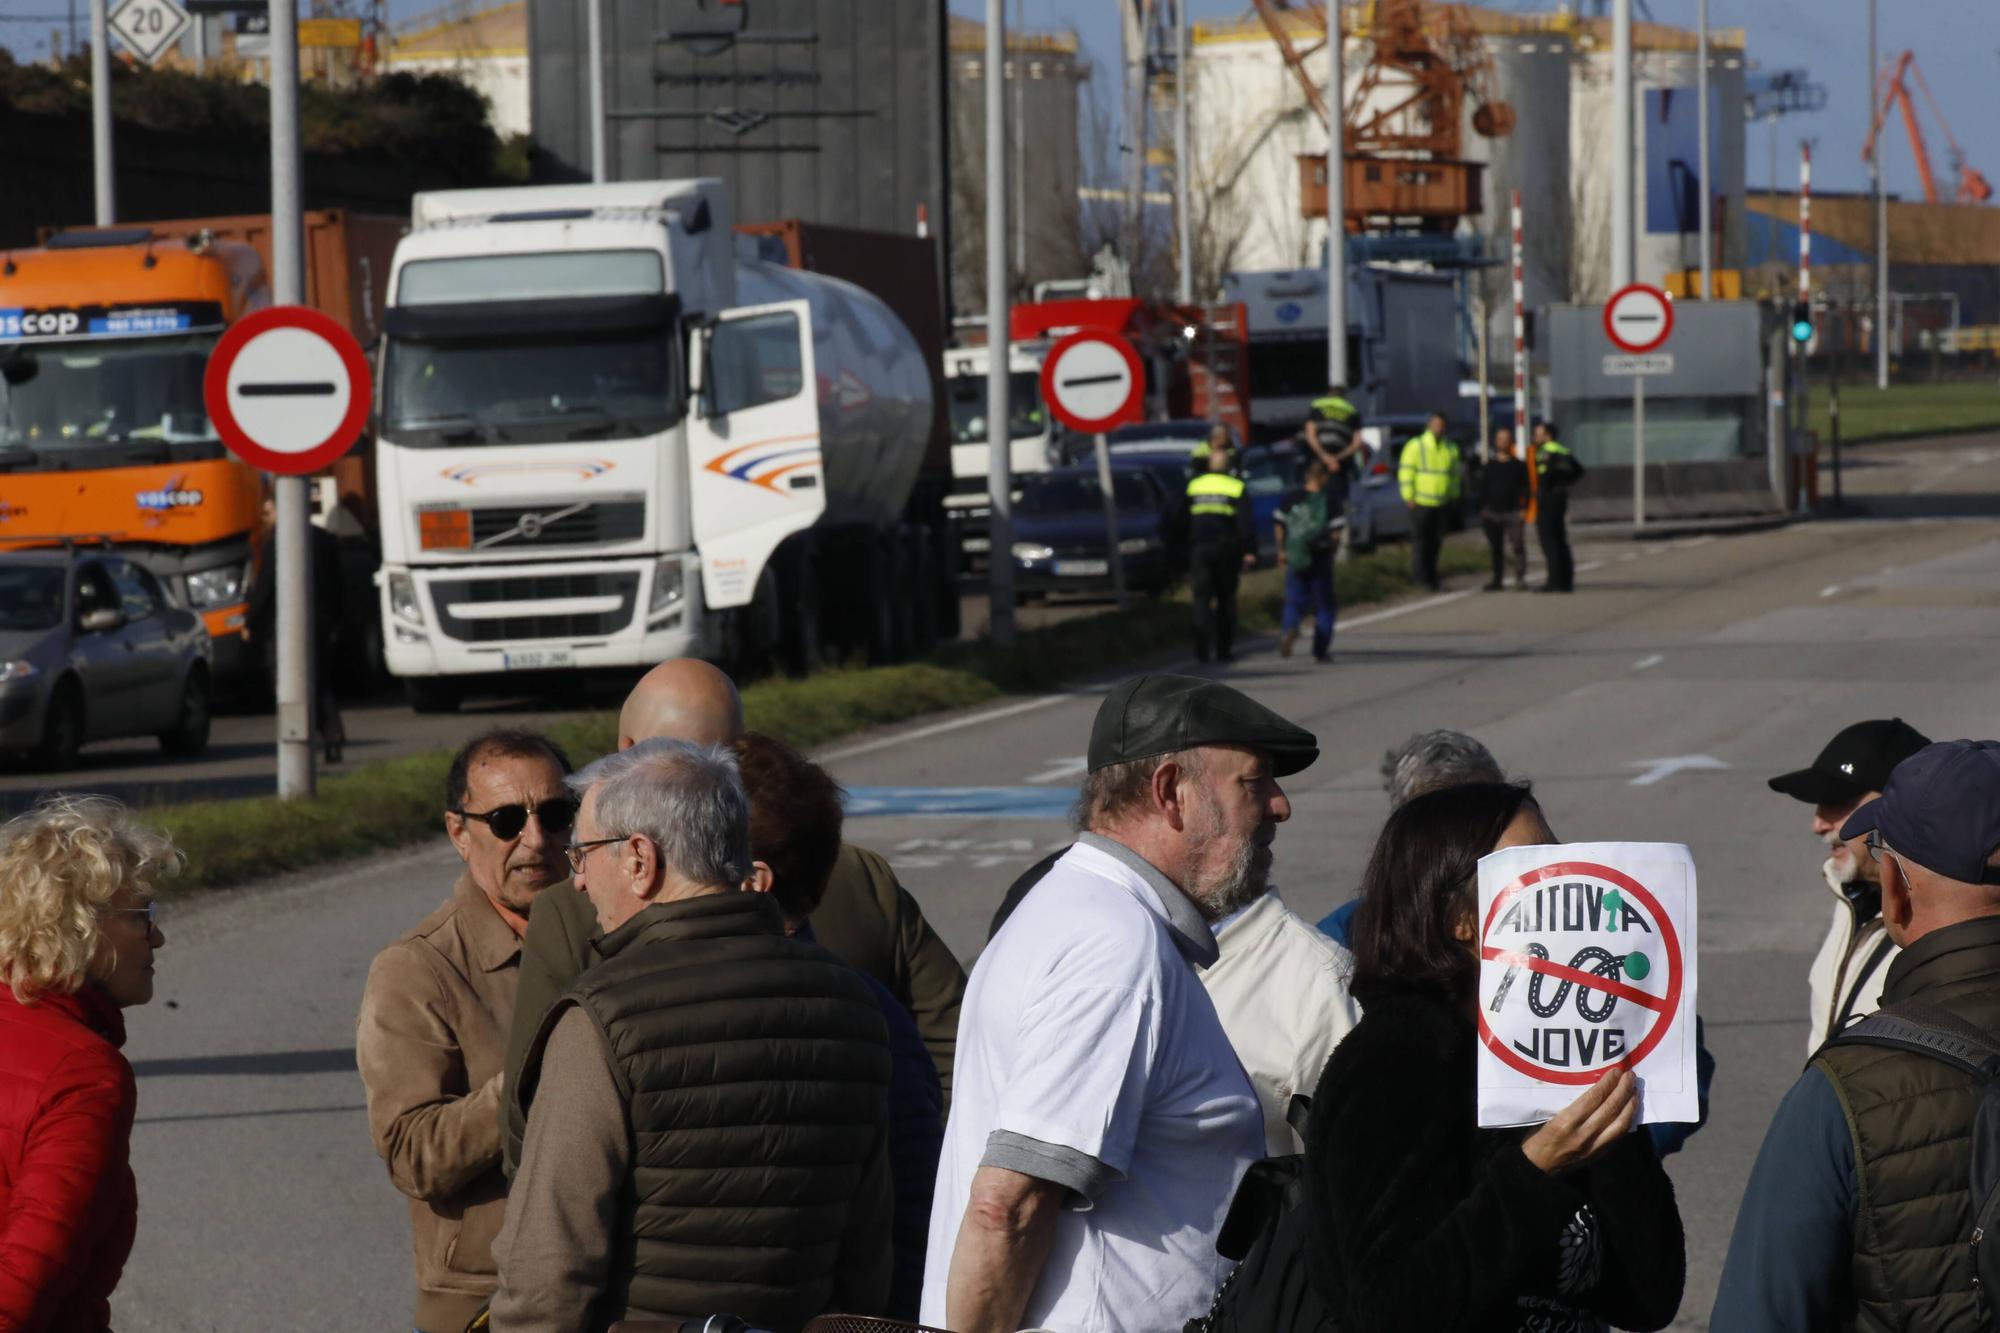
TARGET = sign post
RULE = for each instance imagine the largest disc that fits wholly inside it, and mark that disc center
(1638, 319)
(287, 389)
(1093, 381)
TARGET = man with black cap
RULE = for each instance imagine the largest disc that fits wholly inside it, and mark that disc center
(1100, 1119)
(1853, 963)
(1858, 1213)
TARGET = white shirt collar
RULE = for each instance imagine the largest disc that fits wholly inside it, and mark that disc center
(1189, 929)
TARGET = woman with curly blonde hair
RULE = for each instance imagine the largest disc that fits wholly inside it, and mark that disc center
(77, 937)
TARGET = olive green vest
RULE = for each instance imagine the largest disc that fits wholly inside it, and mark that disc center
(1911, 1120)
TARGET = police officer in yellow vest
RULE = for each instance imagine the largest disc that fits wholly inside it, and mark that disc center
(1223, 543)
(1333, 435)
(1428, 478)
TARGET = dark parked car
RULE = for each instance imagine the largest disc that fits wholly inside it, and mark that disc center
(90, 649)
(1060, 544)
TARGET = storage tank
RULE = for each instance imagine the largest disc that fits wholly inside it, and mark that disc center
(874, 390)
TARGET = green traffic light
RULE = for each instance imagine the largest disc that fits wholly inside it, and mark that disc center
(1802, 331)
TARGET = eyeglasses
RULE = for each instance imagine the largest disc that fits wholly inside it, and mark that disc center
(579, 852)
(151, 911)
(506, 821)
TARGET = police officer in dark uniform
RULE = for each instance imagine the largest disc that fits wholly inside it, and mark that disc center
(1223, 544)
(1556, 470)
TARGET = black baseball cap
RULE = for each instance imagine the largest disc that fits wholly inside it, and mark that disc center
(1153, 715)
(1854, 763)
(1941, 809)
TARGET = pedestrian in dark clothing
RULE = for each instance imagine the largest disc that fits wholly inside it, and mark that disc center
(1224, 542)
(1305, 557)
(1503, 509)
(795, 824)
(1419, 1219)
(1858, 1212)
(1556, 470)
(328, 609)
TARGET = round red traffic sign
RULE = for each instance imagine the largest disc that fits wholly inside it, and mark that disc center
(287, 389)
(1638, 318)
(1662, 999)
(1092, 381)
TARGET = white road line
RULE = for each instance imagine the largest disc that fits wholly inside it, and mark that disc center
(1587, 566)
(1702, 540)
(1060, 771)
(1649, 662)
(1391, 613)
(1830, 590)
(940, 728)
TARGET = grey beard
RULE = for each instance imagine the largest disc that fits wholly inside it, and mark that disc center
(1235, 884)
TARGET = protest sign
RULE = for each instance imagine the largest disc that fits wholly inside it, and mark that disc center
(1587, 963)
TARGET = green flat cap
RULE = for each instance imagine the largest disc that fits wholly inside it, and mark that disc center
(1149, 716)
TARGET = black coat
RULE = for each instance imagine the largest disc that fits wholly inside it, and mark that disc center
(1422, 1221)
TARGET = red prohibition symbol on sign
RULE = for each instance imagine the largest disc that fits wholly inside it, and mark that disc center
(287, 389)
(1665, 1008)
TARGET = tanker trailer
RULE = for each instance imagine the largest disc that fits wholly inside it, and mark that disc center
(606, 440)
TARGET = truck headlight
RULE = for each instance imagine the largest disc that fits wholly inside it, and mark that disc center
(19, 670)
(221, 586)
(403, 603)
(1033, 551)
(1136, 545)
(669, 587)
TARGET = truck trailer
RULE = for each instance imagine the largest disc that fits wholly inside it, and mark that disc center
(609, 434)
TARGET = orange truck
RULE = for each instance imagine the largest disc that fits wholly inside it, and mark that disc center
(104, 338)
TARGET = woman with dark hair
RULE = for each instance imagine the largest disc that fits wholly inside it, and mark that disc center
(1421, 1220)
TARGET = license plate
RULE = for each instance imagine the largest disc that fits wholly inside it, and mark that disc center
(538, 659)
(976, 546)
(1083, 568)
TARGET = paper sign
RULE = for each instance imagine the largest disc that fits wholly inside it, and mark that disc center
(1587, 963)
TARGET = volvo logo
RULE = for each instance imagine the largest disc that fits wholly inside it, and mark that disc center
(531, 526)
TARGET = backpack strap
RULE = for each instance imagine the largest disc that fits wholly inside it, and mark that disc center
(1927, 1030)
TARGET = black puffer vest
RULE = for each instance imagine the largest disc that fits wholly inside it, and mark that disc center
(1911, 1118)
(755, 1070)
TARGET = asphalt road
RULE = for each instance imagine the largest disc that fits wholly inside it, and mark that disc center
(263, 1205)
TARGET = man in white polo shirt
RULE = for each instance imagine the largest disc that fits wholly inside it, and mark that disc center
(1100, 1120)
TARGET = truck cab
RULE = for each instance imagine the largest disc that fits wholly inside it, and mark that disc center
(1035, 440)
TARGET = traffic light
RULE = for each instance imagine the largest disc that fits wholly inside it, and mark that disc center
(1802, 325)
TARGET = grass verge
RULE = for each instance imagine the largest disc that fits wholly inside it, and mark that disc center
(394, 802)
(1905, 411)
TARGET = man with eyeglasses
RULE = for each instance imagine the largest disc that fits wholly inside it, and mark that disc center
(431, 1040)
(1858, 1212)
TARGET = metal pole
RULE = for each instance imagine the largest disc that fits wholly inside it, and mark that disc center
(1110, 520)
(1805, 230)
(1638, 451)
(1774, 412)
(295, 719)
(100, 114)
(1621, 143)
(1485, 382)
(1520, 336)
(1020, 139)
(1336, 199)
(599, 169)
(1833, 428)
(1701, 129)
(999, 438)
(1181, 163)
(1135, 136)
(1881, 223)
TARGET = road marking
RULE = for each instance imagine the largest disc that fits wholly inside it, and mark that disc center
(978, 802)
(1628, 557)
(1374, 617)
(1062, 770)
(1587, 566)
(1648, 663)
(1830, 590)
(942, 728)
(1658, 770)
(1702, 540)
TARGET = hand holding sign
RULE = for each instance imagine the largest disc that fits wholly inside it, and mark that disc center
(1587, 1126)
(1586, 967)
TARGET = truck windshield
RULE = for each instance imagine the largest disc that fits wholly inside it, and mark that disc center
(1025, 416)
(106, 401)
(614, 385)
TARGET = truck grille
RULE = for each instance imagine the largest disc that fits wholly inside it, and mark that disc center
(535, 588)
(601, 523)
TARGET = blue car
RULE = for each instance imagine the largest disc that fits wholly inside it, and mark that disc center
(1060, 544)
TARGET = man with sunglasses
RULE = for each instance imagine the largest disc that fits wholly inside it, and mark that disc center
(431, 1040)
(1858, 1213)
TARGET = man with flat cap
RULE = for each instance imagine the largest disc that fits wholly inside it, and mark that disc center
(1858, 1213)
(1100, 1120)
(1853, 963)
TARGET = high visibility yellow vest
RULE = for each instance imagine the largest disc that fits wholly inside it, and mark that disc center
(1333, 408)
(1215, 494)
(1428, 474)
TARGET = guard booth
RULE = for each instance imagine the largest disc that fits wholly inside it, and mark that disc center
(1707, 427)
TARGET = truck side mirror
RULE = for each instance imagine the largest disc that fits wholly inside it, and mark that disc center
(19, 366)
(101, 620)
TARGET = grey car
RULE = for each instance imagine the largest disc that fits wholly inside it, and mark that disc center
(90, 649)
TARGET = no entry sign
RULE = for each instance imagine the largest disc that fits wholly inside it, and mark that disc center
(1638, 318)
(1586, 965)
(1092, 381)
(287, 389)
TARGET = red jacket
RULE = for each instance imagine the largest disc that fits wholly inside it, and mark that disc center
(68, 1206)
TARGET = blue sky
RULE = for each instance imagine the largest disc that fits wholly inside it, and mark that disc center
(1957, 43)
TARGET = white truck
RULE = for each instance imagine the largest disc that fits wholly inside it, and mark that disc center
(608, 438)
(1034, 438)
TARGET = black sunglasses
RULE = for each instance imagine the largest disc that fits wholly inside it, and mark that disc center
(506, 821)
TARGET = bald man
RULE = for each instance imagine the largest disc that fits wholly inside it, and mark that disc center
(866, 918)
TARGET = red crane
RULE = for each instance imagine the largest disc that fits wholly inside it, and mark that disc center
(1968, 186)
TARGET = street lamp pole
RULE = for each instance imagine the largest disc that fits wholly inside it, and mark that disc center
(999, 435)
(1336, 200)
